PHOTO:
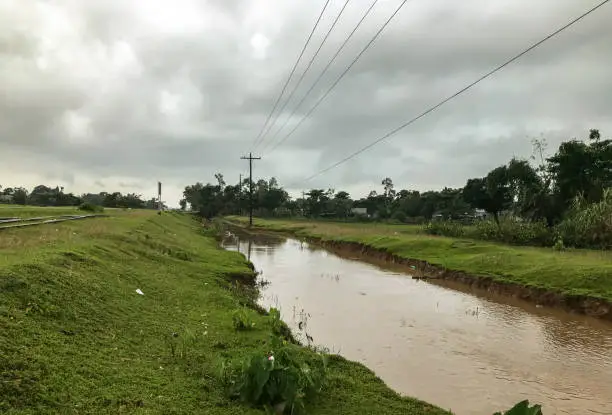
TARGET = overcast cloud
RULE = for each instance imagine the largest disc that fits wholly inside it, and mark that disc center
(114, 95)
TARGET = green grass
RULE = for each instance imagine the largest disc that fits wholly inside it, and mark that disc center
(573, 272)
(77, 338)
(35, 211)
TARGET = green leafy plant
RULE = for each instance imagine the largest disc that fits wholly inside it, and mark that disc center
(444, 228)
(275, 320)
(522, 408)
(283, 381)
(90, 207)
(242, 320)
(181, 344)
(588, 225)
(559, 245)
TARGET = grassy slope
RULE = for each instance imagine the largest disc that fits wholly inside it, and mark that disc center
(32, 211)
(77, 338)
(572, 272)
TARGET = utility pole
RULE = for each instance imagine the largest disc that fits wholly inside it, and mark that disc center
(159, 197)
(240, 195)
(250, 158)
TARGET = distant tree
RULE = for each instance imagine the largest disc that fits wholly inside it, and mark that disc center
(341, 204)
(220, 180)
(491, 193)
(582, 168)
(20, 196)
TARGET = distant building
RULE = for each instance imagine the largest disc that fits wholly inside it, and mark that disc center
(480, 214)
(358, 211)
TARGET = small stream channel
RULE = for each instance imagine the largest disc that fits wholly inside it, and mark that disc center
(461, 349)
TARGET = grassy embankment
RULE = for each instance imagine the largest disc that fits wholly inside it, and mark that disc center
(571, 272)
(33, 211)
(75, 337)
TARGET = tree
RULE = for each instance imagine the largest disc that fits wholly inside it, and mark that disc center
(582, 169)
(220, 180)
(20, 196)
(389, 195)
(342, 195)
(316, 203)
(491, 193)
(341, 204)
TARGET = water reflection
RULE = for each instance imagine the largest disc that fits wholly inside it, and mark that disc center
(459, 347)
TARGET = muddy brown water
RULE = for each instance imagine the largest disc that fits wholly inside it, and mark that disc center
(462, 349)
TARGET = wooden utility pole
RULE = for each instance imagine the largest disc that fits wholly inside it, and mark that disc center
(240, 195)
(250, 158)
(159, 197)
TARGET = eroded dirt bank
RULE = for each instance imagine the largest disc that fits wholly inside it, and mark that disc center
(590, 306)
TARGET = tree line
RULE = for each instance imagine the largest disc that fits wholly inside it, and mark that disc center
(546, 191)
(42, 195)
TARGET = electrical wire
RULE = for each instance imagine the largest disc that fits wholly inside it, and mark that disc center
(292, 72)
(280, 111)
(454, 95)
(366, 47)
(323, 72)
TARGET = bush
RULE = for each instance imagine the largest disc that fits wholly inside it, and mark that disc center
(399, 216)
(281, 380)
(510, 230)
(514, 231)
(444, 228)
(588, 226)
(242, 320)
(90, 207)
(284, 380)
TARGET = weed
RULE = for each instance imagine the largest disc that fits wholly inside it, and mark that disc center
(275, 321)
(589, 225)
(444, 228)
(281, 380)
(89, 207)
(242, 320)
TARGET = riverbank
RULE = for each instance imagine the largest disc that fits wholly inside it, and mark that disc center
(133, 313)
(577, 280)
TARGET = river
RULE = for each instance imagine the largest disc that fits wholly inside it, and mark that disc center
(464, 350)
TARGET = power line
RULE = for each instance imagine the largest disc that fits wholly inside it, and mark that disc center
(304, 72)
(323, 72)
(310, 111)
(292, 72)
(461, 91)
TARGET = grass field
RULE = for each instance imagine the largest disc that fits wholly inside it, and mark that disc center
(32, 211)
(75, 337)
(574, 272)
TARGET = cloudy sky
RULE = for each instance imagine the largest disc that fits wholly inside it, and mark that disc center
(113, 95)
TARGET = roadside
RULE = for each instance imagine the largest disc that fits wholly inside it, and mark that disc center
(77, 336)
(580, 280)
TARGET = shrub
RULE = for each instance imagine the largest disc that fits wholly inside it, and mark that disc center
(90, 207)
(444, 228)
(514, 231)
(510, 230)
(399, 216)
(588, 226)
(242, 320)
(284, 380)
